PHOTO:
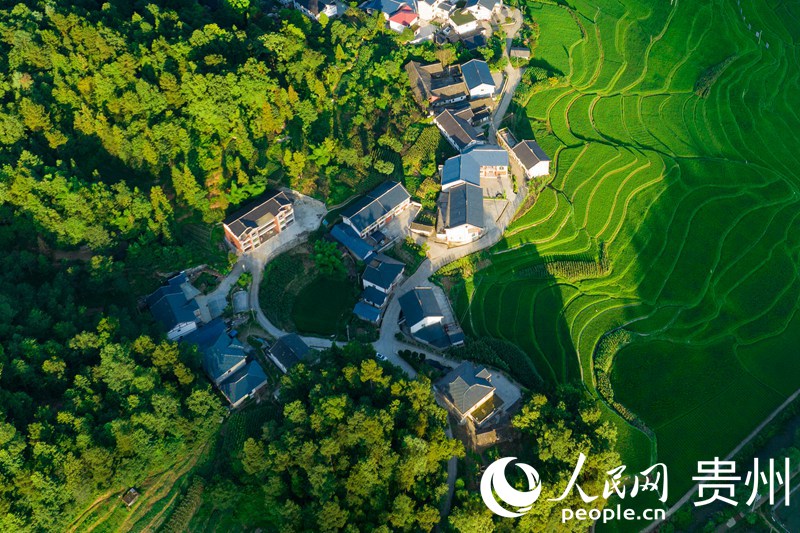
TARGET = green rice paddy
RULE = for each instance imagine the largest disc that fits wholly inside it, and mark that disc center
(695, 202)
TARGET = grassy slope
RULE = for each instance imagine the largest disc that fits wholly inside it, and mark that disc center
(696, 200)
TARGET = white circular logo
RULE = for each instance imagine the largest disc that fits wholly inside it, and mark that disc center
(495, 478)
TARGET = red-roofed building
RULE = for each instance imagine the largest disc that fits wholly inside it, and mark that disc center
(403, 18)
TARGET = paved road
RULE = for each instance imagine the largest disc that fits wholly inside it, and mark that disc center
(513, 75)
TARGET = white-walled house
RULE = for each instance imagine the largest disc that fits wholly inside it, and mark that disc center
(460, 214)
(463, 22)
(528, 160)
(420, 309)
(478, 79)
(403, 18)
(483, 9)
(316, 8)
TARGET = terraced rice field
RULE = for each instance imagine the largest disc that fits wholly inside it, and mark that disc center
(695, 201)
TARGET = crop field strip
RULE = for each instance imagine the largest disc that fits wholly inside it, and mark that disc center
(696, 202)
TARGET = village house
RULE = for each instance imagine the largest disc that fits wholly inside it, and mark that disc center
(380, 278)
(478, 79)
(457, 129)
(377, 208)
(221, 354)
(463, 22)
(460, 214)
(172, 307)
(435, 86)
(289, 351)
(225, 363)
(483, 9)
(433, 9)
(420, 311)
(316, 8)
(253, 225)
(476, 164)
(347, 237)
(243, 383)
(383, 273)
(468, 392)
(403, 18)
(528, 160)
(399, 14)
(520, 52)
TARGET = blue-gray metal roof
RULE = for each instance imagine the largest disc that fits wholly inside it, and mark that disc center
(375, 204)
(382, 271)
(351, 240)
(476, 72)
(222, 356)
(169, 305)
(219, 351)
(364, 311)
(435, 335)
(373, 296)
(242, 382)
(418, 304)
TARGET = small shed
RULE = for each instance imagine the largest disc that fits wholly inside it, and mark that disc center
(520, 52)
(130, 496)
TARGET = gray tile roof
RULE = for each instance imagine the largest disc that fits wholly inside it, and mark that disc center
(466, 386)
(434, 335)
(383, 271)
(373, 296)
(376, 204)
(529, 153)
(488, 4)
(418, 304)
(367, 312)
(461, 204)
(476, 72)
(257, 214)
(433, 82)
(457, 128)
(467, 166)
(290, 350)
(169, 304)
(242, 382)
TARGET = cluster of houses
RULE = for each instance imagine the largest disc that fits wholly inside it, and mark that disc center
(459, 98)
(225, 360)
(423, 17)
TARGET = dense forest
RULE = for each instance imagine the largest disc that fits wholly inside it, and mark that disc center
(357, 447)
(122, 125)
